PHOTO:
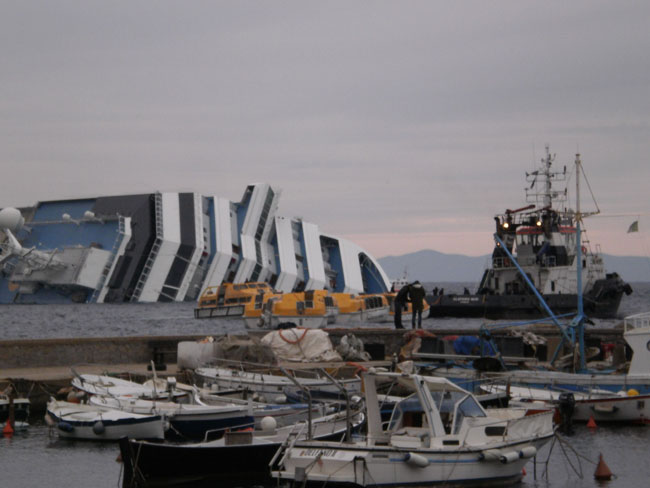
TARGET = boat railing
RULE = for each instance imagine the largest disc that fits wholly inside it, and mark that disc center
(506, 263)
(222, 430)
(501, 262)
(636, 321)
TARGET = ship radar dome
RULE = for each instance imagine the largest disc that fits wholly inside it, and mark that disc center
(11, 219)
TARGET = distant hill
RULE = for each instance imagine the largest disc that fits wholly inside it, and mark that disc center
(433, 266)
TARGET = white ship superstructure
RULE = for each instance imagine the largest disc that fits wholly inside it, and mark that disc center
(169, 247)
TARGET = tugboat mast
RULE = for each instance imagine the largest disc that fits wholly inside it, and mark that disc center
(580, 317)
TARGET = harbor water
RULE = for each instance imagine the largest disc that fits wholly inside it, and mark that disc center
(37, 458)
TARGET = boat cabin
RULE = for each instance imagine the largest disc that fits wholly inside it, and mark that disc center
(437, 413)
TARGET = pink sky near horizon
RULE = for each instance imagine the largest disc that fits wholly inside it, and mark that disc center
(614, 240)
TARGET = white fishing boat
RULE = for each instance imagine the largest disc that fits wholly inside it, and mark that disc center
(186, 421)
(437, 435)
(271, 385)
(104, 385)
(284, 413)
(92, 422)
(625, 407)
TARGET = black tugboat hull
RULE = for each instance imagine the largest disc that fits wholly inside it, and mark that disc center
(601, 302)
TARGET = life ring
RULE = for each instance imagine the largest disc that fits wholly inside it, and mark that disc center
(304, 333)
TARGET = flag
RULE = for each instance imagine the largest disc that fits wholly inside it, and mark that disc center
(634, 227)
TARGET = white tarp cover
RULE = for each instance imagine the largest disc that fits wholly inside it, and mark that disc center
(301, 345)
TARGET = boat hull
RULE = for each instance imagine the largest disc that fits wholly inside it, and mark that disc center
(348, 465)
(146, 428)
(570, 382)
(164, 464)
(517, 307)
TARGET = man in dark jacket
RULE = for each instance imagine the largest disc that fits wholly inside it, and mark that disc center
(400, 303)
(417, 293)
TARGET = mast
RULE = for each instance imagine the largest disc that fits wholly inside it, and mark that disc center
(578, 321)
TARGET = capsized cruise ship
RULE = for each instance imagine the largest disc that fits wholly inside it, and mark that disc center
(161, 247)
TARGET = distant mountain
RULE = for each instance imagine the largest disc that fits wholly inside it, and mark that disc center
(436, 267)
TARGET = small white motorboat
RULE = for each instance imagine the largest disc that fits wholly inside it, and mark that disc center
(439, 434)
(92, 422)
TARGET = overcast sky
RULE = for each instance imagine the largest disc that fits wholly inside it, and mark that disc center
(401, 125)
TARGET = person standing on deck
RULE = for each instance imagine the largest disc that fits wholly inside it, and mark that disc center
(400, 303)
(417, 294)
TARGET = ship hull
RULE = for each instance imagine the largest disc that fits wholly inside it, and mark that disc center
(602, 303)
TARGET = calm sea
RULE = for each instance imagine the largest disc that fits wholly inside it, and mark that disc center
(37, 458)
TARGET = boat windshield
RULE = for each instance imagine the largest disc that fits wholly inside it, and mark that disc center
(454, 406)
(407, 413)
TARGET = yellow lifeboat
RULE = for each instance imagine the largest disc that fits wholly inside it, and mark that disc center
(361, 308)
(311, 309)
(234, 300)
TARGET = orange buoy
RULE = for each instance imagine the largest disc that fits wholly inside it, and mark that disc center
(8, 430)
(602, 470)
(591, 423)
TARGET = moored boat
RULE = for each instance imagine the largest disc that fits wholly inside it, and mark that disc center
(625, 407)
(91, 422)
(186, 421)
(271, 385)
(238, 456)
(103, 385)
(439, 434)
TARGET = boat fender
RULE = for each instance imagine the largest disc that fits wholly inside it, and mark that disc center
(268, 424)
(65, 427)
(490, 455)
(416, 460)
(49, 420)
(509, 457)
(98, 428)
(527, 452)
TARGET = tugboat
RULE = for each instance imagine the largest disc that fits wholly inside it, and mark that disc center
(542, 238)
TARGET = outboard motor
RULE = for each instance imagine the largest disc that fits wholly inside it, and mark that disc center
(566, 405)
